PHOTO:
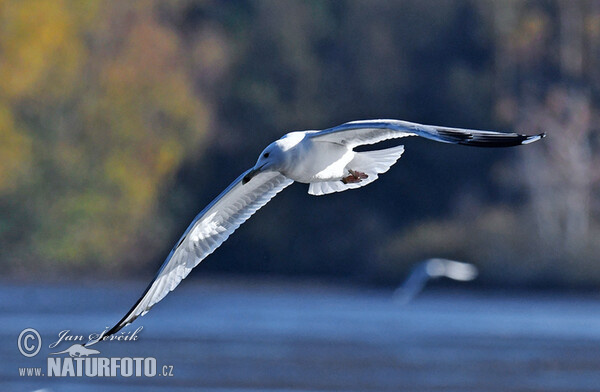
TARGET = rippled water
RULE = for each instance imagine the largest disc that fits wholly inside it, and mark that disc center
(265, 336)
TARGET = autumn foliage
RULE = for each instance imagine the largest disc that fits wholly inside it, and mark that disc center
(120, 120)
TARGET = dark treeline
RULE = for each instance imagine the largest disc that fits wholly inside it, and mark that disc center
(121, 120)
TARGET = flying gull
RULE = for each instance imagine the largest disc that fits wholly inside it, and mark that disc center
(433, 269)
(324, 159)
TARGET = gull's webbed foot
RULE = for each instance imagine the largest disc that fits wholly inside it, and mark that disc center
(354, 177)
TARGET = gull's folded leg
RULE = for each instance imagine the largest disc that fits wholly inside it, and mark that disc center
(354, 177)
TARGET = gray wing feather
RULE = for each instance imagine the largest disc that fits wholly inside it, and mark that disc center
(362, 132)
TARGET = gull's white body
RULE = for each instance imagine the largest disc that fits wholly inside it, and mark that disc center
(319, 158)
(307, 161)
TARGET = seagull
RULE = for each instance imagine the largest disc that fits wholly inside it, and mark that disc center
(324, 159)
(433, 269)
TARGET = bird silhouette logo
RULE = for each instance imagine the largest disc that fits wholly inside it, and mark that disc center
(77, 350)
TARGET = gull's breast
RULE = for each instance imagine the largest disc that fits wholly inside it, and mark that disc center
(314, 162)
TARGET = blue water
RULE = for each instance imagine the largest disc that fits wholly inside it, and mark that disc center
(221, 335)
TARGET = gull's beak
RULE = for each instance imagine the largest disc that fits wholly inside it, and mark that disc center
(251, 174)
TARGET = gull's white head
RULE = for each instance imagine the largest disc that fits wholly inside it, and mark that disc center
(276, 155)
(270, 159)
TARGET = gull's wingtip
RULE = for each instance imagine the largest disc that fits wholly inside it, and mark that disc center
(535, 138)
(94, 341)
(105, 333)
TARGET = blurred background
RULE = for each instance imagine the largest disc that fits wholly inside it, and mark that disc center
(120, 121)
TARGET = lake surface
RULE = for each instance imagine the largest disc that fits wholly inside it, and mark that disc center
(242, 336)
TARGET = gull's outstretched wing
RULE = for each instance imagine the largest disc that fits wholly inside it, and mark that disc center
(357, 133)
(206, 233)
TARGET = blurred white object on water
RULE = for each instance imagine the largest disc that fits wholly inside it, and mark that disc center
(433, 269)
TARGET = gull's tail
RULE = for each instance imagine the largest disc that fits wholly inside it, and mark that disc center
(369, 163)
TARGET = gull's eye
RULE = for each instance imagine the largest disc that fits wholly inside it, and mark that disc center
(266, 155)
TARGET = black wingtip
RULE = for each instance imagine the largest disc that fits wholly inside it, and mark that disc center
(534, 138)
(499, 140)
(94, 341)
